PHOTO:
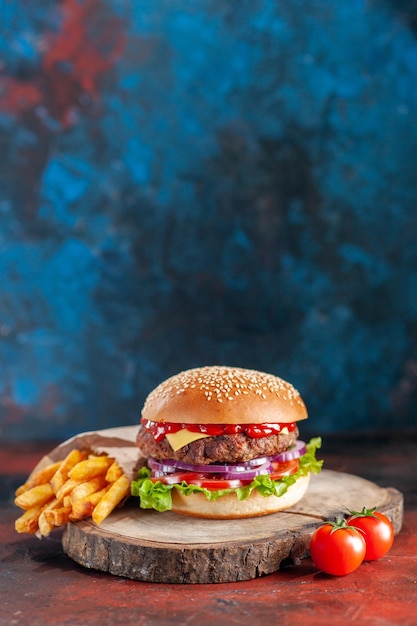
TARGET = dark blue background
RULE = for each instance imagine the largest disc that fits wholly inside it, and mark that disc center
(213, 182)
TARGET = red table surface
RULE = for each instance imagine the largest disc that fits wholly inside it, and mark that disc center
(40, 585)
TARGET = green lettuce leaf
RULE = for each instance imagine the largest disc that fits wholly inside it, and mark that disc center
(156, 495)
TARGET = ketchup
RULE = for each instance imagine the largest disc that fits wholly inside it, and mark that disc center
(256, 431)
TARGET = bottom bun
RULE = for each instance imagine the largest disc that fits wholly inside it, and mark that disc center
(229, 507)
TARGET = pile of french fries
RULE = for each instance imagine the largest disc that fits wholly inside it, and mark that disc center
(80, 486)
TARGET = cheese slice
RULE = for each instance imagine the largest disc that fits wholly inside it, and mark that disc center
(182, 438)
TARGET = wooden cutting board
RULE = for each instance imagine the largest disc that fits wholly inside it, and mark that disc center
(171, 548)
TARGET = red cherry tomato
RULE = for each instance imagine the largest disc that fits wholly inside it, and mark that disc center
(376, 529)
(337, 548)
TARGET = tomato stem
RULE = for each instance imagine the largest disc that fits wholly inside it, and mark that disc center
(364, 513)
(338, 524)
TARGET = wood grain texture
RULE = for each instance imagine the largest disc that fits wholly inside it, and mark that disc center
(170, 548)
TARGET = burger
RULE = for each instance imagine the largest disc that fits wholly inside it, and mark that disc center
(222, 443)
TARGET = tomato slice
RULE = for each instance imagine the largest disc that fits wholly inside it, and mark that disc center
(284, 469)
(219, 483)
(200, 479)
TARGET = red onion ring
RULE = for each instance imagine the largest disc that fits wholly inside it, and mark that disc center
(248, 474)
(298, 449)
(266, 468)
(169, 466)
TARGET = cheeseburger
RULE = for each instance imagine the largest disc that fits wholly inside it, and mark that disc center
(222, 443)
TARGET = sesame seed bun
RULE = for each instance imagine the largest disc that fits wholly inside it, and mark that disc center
(229, 507)
(224, 395)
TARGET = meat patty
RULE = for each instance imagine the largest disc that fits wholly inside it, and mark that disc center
(219, 449)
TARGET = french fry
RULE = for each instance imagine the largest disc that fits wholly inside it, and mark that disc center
(117, 492)
(94, 466)
(28, 522)
(114, 472)
(59, 516)
(37, 496)
(22, 489)
(40, 477)
(66, 501)
(61, 475)
(67, 488)
(45, 527)
(85, 489)
(83, 507)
